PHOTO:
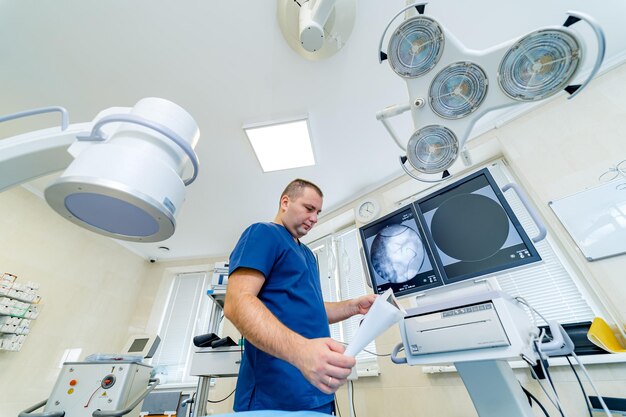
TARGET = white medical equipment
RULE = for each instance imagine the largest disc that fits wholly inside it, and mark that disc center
(103, 385)
(213, 362)
(216, 362)
(316, 29)
(451, 86)
(219, 280)
(477, 329)
(125, 180)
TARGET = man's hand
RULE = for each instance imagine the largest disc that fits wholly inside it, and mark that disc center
(323, 363)
(362, 304)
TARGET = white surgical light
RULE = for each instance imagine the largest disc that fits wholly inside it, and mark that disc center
(126, 179)
(415, 47)
(539, 65)
(459, 84)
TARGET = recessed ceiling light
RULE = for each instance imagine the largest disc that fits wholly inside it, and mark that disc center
(281, 145)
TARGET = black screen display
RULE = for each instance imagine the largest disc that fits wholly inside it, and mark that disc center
(472, 229)
(397, 254)
(463, 231)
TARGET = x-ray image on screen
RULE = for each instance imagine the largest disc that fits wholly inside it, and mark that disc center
(396, 254)
(473, 231)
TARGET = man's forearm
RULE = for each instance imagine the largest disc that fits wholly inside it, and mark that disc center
(258, 325)
(339, 310)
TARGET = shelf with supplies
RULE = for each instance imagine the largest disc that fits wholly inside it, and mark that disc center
(19, 306)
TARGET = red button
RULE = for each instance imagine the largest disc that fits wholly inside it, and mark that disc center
(73, 382)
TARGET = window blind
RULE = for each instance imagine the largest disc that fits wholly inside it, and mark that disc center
(179, 324)
(342, 278)
(550, 286)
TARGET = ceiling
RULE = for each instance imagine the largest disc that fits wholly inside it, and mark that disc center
(227, 64)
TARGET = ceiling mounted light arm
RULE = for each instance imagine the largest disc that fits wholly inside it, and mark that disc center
(601, 48)
(42, 110)
(382, 55)
(392, 111)
(97, 134)
(313, 16)
(28, 156)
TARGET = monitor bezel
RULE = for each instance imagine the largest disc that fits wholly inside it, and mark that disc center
(379, 224)
(534, 254)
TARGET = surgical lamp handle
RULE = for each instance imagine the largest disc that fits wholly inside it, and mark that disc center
(27, 412)
(394, 355)
(542, 232)
(118, 413)
(403, 160)
(96, 134)
(601, 47)
(392, 111)
(42, 110)
(380, 45)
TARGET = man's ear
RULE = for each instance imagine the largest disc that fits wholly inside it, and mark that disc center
(284, 200)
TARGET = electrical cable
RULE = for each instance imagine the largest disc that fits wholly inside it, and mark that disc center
(547, 374)
(581, 387)
(533, 311)
(337, 405)
(352, 397)
(532, 371)
(223, 399)
(531, 396)
(604, 407)
(580, 364)
(91, 397)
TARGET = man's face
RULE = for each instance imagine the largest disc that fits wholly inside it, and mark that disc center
(299, 215)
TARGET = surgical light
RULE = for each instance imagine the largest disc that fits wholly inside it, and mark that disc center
(415, 47)
(539, 65)
(432, 149)
(458, 90)
(126, 179)
(459, 84)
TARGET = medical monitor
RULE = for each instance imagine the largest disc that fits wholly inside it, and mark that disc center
(397, 254)
(472, 230)
(144, 345)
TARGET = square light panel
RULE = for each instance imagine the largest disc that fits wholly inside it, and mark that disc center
(282, 145)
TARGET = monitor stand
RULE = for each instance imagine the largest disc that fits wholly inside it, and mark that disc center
(494, 389)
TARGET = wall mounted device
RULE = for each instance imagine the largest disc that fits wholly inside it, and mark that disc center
(316, 29)
(451, 86)
(462, 231)
(124, 170)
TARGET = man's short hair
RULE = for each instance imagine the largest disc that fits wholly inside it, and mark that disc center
(296, 187)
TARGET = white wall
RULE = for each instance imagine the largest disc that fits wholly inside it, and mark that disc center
(89, 288)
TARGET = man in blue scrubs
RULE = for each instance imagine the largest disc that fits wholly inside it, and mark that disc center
(275, 300)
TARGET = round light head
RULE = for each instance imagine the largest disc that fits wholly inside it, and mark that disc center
(458, 90)
(415, 47)
(119, 191)
(432, 149)
(539, 65)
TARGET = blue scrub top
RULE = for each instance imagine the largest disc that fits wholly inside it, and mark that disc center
(293, 294)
